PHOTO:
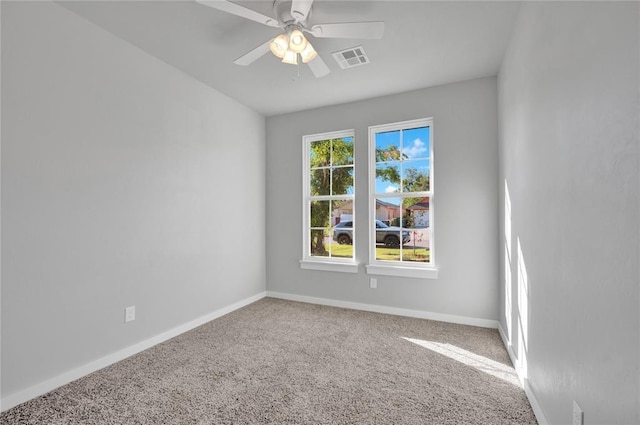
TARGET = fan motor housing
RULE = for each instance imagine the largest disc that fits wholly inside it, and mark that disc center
(282, 10)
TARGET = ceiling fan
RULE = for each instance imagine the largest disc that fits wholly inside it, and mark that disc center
(293, 17)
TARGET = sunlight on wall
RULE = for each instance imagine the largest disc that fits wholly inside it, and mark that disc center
(507, 261)
(523, 314)
(483, 364)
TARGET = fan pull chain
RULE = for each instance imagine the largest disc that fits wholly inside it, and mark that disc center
(296, 75)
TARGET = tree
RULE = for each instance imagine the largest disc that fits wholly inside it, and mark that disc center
(415, 180)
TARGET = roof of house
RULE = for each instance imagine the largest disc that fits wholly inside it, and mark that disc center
(386, 204)
(422, 204)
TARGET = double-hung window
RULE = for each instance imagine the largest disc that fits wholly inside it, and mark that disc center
(401, 199)
(328, 197)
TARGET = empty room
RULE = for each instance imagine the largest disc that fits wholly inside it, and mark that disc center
(320, 212)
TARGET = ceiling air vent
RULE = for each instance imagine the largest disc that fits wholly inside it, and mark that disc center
(354, 56)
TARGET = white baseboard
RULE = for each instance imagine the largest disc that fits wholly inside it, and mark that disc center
(507, 345)
(531, 395)
(51, 384)
(419, 314)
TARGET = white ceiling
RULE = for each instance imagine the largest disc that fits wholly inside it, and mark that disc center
(426, 43)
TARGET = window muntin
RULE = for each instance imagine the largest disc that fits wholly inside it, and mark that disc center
(329, 190)
(401, 194)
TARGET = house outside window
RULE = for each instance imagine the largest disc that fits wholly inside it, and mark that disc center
(401, 198)
(328, 197)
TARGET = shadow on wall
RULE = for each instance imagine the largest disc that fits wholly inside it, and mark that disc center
(521, 331)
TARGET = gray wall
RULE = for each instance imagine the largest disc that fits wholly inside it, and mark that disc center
(466, 199)
(568, 96)
(124, 182)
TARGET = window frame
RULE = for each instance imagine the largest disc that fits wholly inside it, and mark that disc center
(400, 268)
(337, 264)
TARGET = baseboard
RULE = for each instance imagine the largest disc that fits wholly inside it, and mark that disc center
(531, 395)
(419, 314)
(51, 384)
(509, 348)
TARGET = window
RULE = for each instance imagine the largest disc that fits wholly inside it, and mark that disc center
(328, 196)
(401, 199)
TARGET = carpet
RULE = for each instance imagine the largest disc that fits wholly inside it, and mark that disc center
(283, 362)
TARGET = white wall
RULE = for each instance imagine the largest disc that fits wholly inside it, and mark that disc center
(568, 96)
(466, 223)
(124, 182)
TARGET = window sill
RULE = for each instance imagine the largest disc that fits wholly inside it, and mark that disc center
(403, 271)
(329, 266)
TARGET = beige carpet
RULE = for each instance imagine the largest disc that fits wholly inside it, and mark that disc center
(281, 362)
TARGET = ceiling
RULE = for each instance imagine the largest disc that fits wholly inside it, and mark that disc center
(426, 43)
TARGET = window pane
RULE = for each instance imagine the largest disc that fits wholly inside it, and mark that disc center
(387, 211)
(342, 211)
(417, 249)
(343, 233)
(415, 143)
(342, 181)
(415, 213)
(415, 221)
(342, 241)
(415, 176)
(342, 251)
(320, 213)
(343, 151)
(388, 177)
(320, 153)
(388, 146)
(318, 240)
(320, 182)
(388, 244)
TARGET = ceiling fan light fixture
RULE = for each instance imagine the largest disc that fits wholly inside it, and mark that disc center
(279, 46)
(290, 57)
(297, 41)
(308, 54)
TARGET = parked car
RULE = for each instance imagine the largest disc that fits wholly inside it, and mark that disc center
(387, 235)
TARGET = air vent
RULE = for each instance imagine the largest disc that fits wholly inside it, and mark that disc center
(355, 56)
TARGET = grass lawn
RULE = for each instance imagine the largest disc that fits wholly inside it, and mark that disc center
(338, 250)
(408, 254)
(382, 253)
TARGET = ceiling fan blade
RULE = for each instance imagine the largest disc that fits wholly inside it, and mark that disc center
(300, 9)
(254, 54)
(372, 30)
(235, 9)
(318, 67)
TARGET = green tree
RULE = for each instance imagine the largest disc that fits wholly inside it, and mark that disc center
(415, 180)
(391, 172)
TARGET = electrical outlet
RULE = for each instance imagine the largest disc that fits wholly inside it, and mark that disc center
(130, 314)
(373, 283)
(578, 414)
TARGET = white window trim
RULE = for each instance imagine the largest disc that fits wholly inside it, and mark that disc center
(401, 269)
(308, 261)
(330, 266)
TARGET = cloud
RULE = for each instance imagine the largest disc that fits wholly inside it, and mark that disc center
(391, 189)
(417, 149)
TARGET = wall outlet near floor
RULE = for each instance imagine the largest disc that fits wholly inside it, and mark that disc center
(578, 414)
(373, 283)
(130, 314)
